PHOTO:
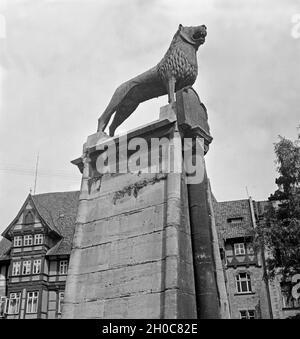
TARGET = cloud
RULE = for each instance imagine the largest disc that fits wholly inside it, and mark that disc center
(64, 59)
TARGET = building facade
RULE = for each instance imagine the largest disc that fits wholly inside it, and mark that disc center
(36, 246)
(34, 256)
(243, 265)
(251, 295)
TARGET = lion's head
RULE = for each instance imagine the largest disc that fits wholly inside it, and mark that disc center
(193, 35)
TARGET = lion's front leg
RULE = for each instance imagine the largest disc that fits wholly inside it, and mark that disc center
(105, 117)
(171, 89)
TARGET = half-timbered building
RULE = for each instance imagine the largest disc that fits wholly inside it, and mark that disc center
(34, 256)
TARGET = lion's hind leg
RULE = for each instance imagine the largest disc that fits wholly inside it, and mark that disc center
(121, 115)
(115, 101)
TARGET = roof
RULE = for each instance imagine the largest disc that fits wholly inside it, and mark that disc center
(238, 231)
(4, 249)
(233, 209)
(58, 210)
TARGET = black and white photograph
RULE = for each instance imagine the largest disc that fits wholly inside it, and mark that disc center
(149, 162)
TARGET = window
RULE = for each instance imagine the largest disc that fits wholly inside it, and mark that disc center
(236, 220)
(38, 239)
(243, 314)
(63, 267)
(26, 267)
(32, 302)
(60, 301)
(29, 218)
(250, 249)
(16, 269)
(14, 303)
(17, 241)
(250, 314)
(27, 240)
(36, 266)
(3, 306)
(239, 249)
(243, 283)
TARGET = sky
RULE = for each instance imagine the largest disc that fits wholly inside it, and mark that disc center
(61, 60)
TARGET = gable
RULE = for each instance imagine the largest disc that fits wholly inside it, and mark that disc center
(54, 211)
(28, 216)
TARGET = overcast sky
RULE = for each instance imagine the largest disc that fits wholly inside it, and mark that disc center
(62, 60)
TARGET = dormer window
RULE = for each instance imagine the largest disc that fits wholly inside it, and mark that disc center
(239, 249)
(27, 240)
(63, 267)
(29, 218)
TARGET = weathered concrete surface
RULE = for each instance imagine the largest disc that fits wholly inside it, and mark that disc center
(132, 254)
(220, 274)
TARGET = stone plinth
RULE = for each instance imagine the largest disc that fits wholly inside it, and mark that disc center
(132, 254)
(145, 243)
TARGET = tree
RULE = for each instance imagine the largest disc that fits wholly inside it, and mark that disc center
(280, 231)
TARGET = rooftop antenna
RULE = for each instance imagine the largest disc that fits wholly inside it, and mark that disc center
(36, 172)
(247, 192)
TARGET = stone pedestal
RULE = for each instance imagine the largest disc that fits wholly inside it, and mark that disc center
(132, 254)
(145, 244)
